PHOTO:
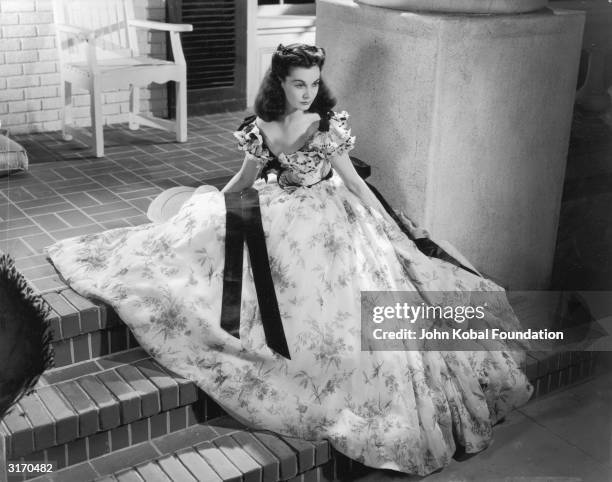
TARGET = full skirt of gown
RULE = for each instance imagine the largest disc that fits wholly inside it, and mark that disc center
(401, 410)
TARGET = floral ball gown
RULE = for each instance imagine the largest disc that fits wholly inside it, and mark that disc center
(401, 410)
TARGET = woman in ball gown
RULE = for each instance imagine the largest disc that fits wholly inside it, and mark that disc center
(326, 238)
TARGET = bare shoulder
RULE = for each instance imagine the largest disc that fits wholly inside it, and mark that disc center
(268, 127)
(309, 122)
(259, 121)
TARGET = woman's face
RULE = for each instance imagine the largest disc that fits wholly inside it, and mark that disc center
(301, 87)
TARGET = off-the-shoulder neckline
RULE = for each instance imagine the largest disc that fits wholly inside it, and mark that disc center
(266, 144)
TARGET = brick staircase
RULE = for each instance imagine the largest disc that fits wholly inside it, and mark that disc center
(107, 411)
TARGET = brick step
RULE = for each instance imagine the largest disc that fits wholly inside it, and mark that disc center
(84, 330)
(549, 371)
(67, 421)
(218, 450)
(581, 318)
(102, 405)
(224, 450)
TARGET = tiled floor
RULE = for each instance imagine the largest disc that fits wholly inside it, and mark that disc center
(67, 192)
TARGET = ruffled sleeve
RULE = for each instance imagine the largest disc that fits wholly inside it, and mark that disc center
(338, 139)
(251, 142)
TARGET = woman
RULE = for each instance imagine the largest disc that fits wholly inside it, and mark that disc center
(327, 239)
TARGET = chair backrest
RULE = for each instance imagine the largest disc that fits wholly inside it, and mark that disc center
(108, 18)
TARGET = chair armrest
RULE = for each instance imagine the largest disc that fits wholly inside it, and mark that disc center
(78, 31)
(169, 27)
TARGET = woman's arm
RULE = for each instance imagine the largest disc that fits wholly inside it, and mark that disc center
(342, 165)
(245, 177)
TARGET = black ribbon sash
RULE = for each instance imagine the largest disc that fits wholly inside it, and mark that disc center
(243, 223)
(425, 245)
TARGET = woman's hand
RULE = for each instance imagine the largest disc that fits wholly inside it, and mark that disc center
(415, 231)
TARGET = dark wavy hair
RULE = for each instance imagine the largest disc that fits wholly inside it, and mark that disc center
(270, 100)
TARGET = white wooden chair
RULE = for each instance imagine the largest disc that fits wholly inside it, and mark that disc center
(98, 50)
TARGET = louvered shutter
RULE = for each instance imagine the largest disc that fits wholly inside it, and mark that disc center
(215, 53)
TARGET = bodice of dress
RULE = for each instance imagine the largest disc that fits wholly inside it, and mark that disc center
(311, 163)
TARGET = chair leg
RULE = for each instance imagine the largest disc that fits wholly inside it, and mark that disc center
(134, 107)
(181, 111)
(66, 95)
(96, 118)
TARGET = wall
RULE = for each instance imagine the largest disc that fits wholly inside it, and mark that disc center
(465, 120)
(29, 70)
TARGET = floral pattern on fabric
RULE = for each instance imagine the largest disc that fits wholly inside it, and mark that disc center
(309, 164)
(251, 142)
(337, 140)
(395, 410)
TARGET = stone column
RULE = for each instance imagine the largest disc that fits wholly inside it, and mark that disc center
(465, 120)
